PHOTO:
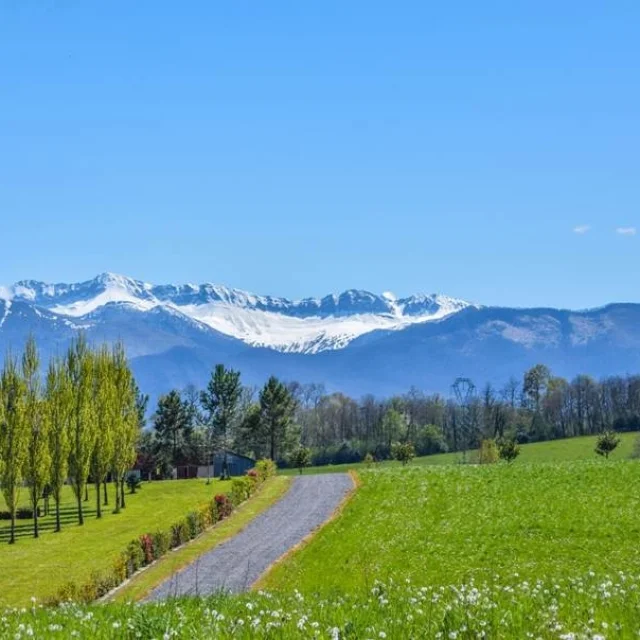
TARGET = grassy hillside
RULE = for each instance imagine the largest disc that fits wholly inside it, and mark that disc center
(581, 448)
(39, 567)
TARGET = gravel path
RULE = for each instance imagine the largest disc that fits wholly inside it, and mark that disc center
(237, 563)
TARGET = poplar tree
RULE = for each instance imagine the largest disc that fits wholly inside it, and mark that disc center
(38, 463)
(59, 403)
(14, 436)
(103, 451)
(82, 425)
(126, 421)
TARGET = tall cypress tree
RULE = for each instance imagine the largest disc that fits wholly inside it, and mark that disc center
(38, 463)
(83, 421)
(105, 407)
(59, 402)
(14, 436)
(126, 422)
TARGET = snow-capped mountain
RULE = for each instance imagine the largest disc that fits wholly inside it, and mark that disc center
(356, 342)
(308, 326)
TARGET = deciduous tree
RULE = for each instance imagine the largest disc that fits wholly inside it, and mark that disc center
(14, 436)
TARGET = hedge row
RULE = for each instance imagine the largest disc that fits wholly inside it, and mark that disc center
(150, 546)
(23, 513)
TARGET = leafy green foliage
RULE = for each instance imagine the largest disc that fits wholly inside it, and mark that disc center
(607, 442)
(301, 458)
(403, 452)
(508, 450)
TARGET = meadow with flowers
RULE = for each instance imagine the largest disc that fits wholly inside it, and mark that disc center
(545, 550)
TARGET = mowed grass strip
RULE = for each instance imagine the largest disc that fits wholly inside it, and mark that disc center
(579, 448)
(39, 567)
(137, 588)
(450, 524)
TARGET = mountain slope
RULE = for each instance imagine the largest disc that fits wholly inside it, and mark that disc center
(356, 342)
(310, 325)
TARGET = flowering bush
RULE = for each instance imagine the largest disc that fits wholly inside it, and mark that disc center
(224, 506)
(146, 542)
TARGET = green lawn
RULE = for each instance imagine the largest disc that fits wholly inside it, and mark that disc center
(39, 567)
(581, 448)
(441, 525)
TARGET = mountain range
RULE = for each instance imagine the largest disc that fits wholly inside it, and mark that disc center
(356, 342)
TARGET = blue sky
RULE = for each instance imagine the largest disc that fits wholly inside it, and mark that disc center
(301, 148)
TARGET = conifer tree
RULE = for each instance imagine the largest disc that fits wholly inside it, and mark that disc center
(59, 405)
(83, 428)
(14, 436)
(38, 463)
(277, 407)
(220, 401)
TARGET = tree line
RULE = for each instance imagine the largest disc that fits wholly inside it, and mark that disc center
(190, 426)
(279, 419)
(80, 422)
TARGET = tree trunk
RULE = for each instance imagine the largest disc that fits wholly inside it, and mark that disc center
(80, 514)
(105, 497)
(122, 503)
(12, 539)
(86, 493)
(98, 506)
(115, 484)
(57, 499)
(35, 522)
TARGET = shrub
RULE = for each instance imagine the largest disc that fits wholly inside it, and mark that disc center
(205, 516)
(403, 451)
(266, 468)
(301, 458)
(146, 542)
(224, 506)
(161, 543)
(241, 489)
(133, 482)
(508, 450)
(103, 582)
(135, 557)
(195, 523)
(369, 460)
(179, 533)
(119, 569)
(488, 453)
(607, 442)
(23, 513)
(68, 591)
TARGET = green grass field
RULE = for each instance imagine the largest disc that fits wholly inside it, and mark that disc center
(543, 548)
(39, 567)
(552, 451)
(449, 524)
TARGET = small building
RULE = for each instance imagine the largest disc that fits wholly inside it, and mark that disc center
(238, 465)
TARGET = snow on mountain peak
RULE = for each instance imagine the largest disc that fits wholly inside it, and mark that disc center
(309, 325)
